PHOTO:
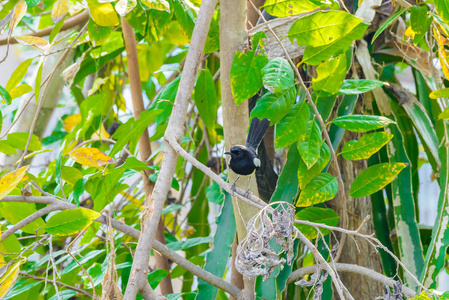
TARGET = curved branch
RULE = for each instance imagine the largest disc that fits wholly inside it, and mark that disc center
(408, 292)
(69, 23)
(157, 246)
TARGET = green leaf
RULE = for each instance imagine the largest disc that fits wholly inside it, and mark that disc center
(71, 174)
(168, 92)
(309, 146)
(103, 13)
(443, 10)
(316, 215)
(305, 174)
(442, 93)
(157, 4)
(287, 184)
(287, 8)
(316, 55)
(274, 106)
(330, 75)
(444, 114)
(420, 21)
(375, 178)
(214, 194)
(37, 84)
(19, 140)
(217, 259)
(20, 90)
(320, 189)
(362, 123)
(181, 245)
(155, 277)
(18, 74)
(246, 75)
(113, 42)
(185, 16)
(206, 98)
(6, 148)
(366, 146)
(322, 28)
(292, 126)
(71, 221)
(5, 95)
(132, 130)
(359, 86)
(277, 75)
(388, 22)
(85, 258)
(15, 212)
(98, 34)
(171, 208)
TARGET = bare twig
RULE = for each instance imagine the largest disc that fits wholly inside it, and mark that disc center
(74, 288)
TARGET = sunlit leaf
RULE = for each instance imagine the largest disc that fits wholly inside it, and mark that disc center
(442, 8)
(330, 75)
(71, 221)
(375, 178)
(123, 7)
(18, 74)
(60, 9)
(103, 13)
(359, 86)
(9, 276)
(19, 140)
(322, 28)
(246, 75)
(206, 98)
(388, 22)
(274, 106)
(285, 8)
(35, 41)
(309, 146)
(157, 4)
(316, 215)
(11, 180)
(15, 212)
(20, 90)
(442, 93)
(292, 127)
(366, 146)
(362, 123)
(6, 148)
(320, 189)
(71, 121)
(90, 157)
(305, 174)
(5, 95)
(37, 82)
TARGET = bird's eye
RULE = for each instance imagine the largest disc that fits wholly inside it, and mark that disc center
(236, 151)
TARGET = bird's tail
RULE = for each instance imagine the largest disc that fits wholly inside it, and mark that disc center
(256, 132)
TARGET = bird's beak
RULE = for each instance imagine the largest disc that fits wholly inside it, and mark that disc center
(229, 153)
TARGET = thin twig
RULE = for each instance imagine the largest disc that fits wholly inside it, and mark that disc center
(70, 287)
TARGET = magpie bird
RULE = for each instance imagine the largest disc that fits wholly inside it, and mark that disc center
(244, 159)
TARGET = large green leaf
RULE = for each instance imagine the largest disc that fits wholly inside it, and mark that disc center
(305, 174)
(375, 178)
(286, 8)
(287, 184)
(362, 123)
(320, 189)
(316, 215)
(98, 34)
(316, 55)
(277, 75)
(19, 140)
(206, 98)
(16, 212)
(274, 106)
(180, 245)
(246, 75)
(132, 130)
(366, 146)
(292, 127)
(420, 21)
(330, 75)
(217, 259)
(309, 146)
(185, 15)
(71, 221)
(168, 92)
(112, 43)
(322, 28)
(359, 86)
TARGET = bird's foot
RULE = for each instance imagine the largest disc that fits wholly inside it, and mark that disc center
(246, 195)
(233, 188)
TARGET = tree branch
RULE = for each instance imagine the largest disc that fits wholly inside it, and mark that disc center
(408, 292)
(69, 23)
(164, 250)
(175, 129)
(74, 288)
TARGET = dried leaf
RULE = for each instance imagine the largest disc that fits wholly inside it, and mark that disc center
(11, 180)
(35, 41)
(91, 157)
(19, 11)
(60, 9)
(8, 277)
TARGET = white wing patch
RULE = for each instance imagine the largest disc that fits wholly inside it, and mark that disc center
(256, 162)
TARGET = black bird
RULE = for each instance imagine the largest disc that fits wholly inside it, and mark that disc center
(244, 159)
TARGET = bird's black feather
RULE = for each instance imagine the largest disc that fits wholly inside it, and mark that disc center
(256, 132)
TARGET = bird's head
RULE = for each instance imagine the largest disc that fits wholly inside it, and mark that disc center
(236, 151)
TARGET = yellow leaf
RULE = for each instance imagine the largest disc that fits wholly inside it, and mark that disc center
(103, 13)
(11, 180)
(71, 121)
(20, 90)
(60, 9)
(132, 199)
(157, 4)
(90, 157)
(8, 279)
(100, 134)
(35, 41)
(69, 147)
(19, 11)
(121, 102)
(442, 53)
(409, 32)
